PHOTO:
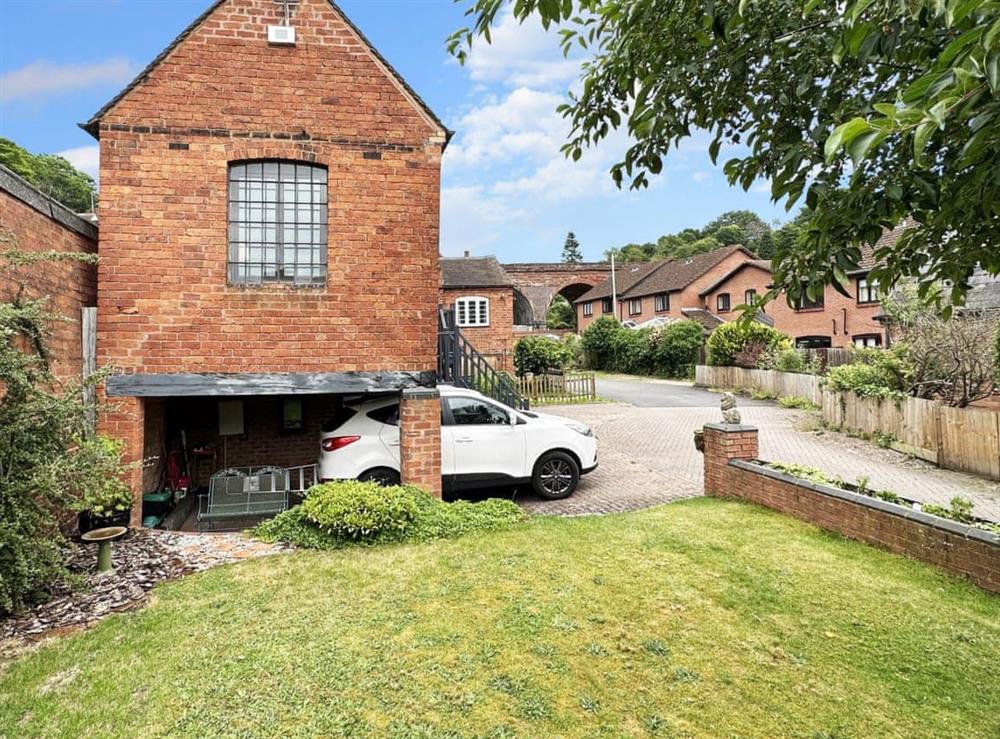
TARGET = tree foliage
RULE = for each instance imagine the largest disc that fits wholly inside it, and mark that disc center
(571, 253)
(744, 344)
(872, 111)
(561, 314)
(670, 350)
(732, 227)
(51, 174)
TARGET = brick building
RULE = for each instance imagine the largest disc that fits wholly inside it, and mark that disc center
(708, 287)
(663, 289)
(482, 295)
(269, 241)
(33, 222)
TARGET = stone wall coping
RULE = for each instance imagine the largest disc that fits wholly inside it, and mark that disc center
(731, 428)
(954, 527)
(30, 195)
(421, 392)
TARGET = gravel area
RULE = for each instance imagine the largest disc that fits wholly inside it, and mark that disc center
(141, 559)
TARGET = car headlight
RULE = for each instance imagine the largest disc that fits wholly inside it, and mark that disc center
(580, 429)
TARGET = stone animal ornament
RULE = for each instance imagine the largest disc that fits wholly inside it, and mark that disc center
(730, 414)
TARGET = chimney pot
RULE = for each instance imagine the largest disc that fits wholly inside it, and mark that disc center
(467, 254)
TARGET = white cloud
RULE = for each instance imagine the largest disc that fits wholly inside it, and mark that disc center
(524, 123)
(521, 55)
(84, 158)
(40, 79)
(471, 218)
(700, 176)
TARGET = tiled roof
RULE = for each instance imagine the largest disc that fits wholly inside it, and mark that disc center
(888, 238)
(679, 273)
(764, 264)
(91, 126)
(706, 318)
(473, 272)
(626, 275)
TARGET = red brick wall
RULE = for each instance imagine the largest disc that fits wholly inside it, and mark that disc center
(495, 341)
(975, 556)
(748, 278)
(841, 318)
(420, 439)
(71, 284)
(164, 303)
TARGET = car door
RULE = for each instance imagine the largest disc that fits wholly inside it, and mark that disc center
(486, 449)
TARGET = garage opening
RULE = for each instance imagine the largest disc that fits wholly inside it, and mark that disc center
(226, 463)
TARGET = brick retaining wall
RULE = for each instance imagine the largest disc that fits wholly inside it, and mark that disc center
(952, 546)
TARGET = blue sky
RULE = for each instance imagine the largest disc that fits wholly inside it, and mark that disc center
(506, 189)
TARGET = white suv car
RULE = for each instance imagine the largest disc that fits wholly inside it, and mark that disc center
(483, 444)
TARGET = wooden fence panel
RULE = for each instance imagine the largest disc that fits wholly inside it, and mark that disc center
(970, 441)
(582, 386)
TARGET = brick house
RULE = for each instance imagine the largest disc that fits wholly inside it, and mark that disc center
(665, 289)
(482, 295)
(38, 223)
(708, 287)
(269, 242)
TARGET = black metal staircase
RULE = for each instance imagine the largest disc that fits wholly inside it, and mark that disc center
(461, 365)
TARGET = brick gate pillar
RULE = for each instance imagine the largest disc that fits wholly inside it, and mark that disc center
(125, 420)
(420, 439)
(725, 441)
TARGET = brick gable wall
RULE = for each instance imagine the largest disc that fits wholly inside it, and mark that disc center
(223, 95)
(841, 319)
(71, 285)
(748, 278)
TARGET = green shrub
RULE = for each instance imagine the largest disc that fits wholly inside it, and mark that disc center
(873, 373)
(361, 510)
(95, 478)
(411, 515)
(790, 359)
(596, 341)
(743, 342)
(632, 351)
(675, 348)
(539, 354)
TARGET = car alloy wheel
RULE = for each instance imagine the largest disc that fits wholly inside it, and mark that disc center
(556, 477)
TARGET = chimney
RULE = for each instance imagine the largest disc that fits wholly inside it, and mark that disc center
(467, 255)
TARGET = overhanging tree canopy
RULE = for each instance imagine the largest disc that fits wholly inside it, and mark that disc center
(872, 111)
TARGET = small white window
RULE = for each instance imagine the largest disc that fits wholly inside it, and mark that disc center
(867, 290)
(588, 308)
(662, 302)
(634, 306)
(472, 312)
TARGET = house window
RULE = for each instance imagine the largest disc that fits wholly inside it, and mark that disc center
(277, 223)
(292, 416)
(588, 308)
(867, 290)
(606, 306)
(813, 342)
(722, 302)
(634, 306)
(662, 302)
(808, 304)
(472, 311)
(868, 341)
(749, 296)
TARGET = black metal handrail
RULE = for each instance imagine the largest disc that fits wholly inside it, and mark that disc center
(461, 364)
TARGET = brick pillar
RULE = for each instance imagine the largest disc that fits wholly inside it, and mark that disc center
(125, 419)
(724, 441)
(420, 439)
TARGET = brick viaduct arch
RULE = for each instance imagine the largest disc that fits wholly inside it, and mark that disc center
(536, 284)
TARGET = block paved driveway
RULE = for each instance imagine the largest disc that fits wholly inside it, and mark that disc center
(647, 455)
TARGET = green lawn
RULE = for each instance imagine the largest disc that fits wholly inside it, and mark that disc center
(702, 618)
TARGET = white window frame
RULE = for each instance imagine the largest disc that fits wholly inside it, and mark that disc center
(871, 291)
(661, 303)
(634, 306)
(472, 311)
(588, 308)
(867, 341)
